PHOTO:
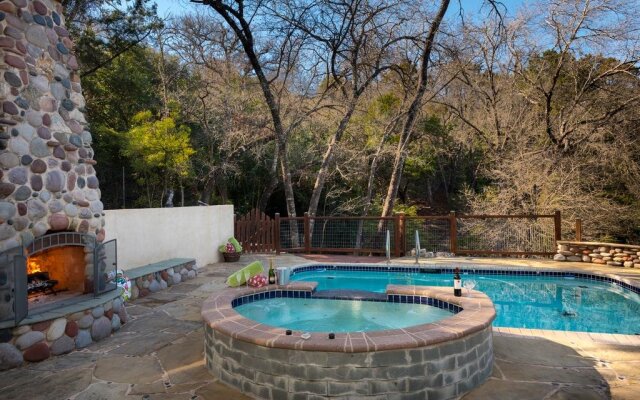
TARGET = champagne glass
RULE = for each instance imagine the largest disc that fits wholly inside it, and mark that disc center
(469, 284)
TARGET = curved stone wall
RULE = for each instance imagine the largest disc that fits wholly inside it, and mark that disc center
(47, 176)
(38, 341)
(441, 360)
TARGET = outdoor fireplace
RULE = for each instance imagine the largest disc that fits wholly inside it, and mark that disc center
(55, 270)
(51, 216)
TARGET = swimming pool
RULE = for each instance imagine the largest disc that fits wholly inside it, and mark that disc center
(523, 299)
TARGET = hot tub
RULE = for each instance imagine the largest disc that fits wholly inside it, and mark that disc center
(442, 359)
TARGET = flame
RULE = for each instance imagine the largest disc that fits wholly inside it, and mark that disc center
(33, 266)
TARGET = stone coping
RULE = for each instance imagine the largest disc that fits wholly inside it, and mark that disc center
(138, 272)
(59, 312)
(477, 314)
(603, 244)
(464, 267)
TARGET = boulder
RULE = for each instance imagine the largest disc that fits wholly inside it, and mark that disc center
(10, 357)
(85, 322)
(83, 339)
(63, 345)
(71, 329)
(38, 352)
(154, 286)
(101, 328)
(115, 322)
(56, 330)
(97, 312)
(29, 339)
(116, 305)
(559, 257)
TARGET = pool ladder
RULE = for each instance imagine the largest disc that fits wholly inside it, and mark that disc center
(418, 251)
(387, 247)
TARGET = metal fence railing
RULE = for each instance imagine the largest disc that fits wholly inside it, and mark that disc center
(513, 235)
(453, 233)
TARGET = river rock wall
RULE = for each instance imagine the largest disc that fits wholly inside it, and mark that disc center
(615, 255)
(47, 176)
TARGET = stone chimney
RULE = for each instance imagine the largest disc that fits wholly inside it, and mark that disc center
(47, 176)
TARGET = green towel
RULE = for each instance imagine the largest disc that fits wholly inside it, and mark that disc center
(240, 277)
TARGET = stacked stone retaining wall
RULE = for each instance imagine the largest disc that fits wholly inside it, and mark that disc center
(615, 255)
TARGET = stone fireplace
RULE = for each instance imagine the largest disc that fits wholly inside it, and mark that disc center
(51, 216)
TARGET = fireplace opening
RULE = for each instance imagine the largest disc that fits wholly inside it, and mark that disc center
(57, 274)
(56, 270)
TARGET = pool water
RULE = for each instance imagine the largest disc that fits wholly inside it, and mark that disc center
(521, 301)
(327, 315)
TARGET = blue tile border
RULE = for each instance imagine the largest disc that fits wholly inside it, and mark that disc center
(391, 298)
(463, 270)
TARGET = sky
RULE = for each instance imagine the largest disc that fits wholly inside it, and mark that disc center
(175, 7)
(179, 7)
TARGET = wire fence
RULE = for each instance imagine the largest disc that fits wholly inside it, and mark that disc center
(434, 233)
(514, 235)
(344, 234)
(457, 234)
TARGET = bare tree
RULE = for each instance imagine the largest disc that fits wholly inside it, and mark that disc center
(240, 19)
(414, 108)
(355, 41)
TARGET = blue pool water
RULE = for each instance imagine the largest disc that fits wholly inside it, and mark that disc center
(325, 315)
(533, 302)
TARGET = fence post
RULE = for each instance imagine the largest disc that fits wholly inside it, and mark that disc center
(307, 236)
(557, 223)
(453, 233)
(276, 234)
(398, 234)
(578, 230)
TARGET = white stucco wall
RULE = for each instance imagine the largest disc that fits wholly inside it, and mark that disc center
(150, 235)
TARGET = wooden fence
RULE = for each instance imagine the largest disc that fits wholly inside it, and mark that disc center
(256, 232)
(520, 235)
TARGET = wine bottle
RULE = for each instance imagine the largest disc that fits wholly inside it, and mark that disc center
(272, 273)
(457, 283)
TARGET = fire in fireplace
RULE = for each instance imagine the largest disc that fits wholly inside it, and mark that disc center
(56, 270)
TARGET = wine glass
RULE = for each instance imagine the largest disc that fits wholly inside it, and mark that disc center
(469, 284)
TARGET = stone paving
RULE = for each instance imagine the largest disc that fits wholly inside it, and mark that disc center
(159, 355)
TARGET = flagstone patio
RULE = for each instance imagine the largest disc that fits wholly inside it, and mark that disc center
(159, 355)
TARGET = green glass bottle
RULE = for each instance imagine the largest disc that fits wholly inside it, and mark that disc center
(272, 273)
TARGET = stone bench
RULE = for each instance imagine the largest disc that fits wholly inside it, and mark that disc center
(160, 275)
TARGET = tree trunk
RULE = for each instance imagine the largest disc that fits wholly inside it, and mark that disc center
(241, 27)
(412, 113)
(273, 184)
(372, 174)
(328, 158)
(181, 194)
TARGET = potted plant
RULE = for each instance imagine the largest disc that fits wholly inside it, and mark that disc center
(231, 250)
